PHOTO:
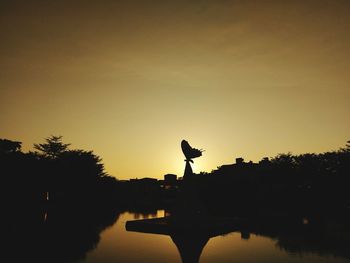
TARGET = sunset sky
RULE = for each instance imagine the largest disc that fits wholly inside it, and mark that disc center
(131, 79)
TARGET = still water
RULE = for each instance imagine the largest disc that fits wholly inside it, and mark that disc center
(118, 245)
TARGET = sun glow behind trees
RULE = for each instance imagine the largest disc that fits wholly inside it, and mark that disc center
(130, 79)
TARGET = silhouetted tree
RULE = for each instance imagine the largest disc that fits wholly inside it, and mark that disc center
(284, 161)
(347, 148)
(80, 165)
(8, 146)
(71, 174)
(53, 147)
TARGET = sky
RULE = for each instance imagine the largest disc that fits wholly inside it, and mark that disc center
(131, 79)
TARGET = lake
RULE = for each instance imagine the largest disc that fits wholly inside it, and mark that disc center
(118, 245)
(99, 235)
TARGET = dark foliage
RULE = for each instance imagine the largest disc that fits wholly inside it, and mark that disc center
(306, 183)
(55, 173)
(53, 147)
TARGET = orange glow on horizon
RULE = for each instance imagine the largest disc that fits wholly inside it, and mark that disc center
(130, 80)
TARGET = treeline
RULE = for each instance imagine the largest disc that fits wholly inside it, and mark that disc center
(305, 183)
(54, 173)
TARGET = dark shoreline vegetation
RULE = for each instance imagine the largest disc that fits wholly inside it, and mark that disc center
(57, 201)
(54, 174)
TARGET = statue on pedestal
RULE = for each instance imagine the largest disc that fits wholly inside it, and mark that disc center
(189, 225)
(190, 153)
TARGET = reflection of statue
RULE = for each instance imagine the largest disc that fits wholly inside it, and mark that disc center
(190, 246)
(190, 153)
(190, 236)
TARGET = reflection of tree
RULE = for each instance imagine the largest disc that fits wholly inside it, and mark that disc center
(328, 237)
(317, 242)
(70, 236)
(65, 235)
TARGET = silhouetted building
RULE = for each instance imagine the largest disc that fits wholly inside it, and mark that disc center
(239, 161)
(170, 181)
(238, 168)
(145, 185)
(170, 178)
(265, 161)
(245, 235)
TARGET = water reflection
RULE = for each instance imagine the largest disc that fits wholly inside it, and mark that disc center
(98, 235)
(190, 247)
(189, 234)
(319, 239)
(327, 236)
(57, 235)
(145, 214)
